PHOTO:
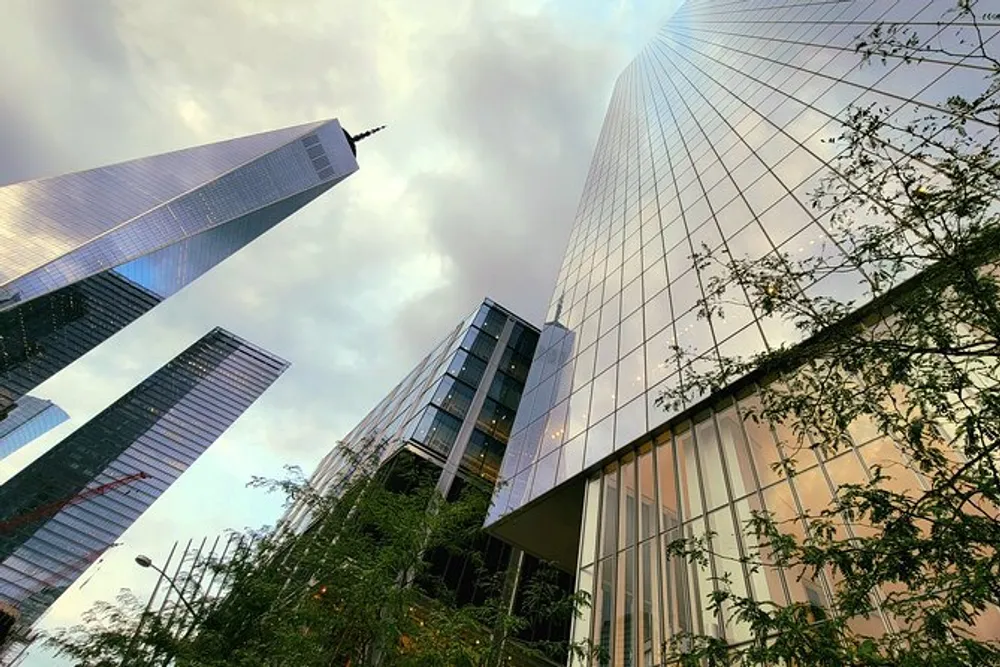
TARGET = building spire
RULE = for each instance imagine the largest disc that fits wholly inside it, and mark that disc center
(353, 139)
(367, 133)
(559, 307)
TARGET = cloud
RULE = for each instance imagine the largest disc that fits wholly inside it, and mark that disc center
(493, 111)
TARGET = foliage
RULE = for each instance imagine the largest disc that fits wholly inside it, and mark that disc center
(339, 593)
(912, 217)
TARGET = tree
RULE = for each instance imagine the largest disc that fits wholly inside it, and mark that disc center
(340, 593)
(913, 223)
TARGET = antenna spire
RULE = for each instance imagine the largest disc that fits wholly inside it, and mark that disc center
(367, 133)
(353, 139)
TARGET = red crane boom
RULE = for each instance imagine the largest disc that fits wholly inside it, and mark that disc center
(52, 508)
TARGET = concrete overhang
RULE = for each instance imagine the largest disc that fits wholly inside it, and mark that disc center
(549, 526)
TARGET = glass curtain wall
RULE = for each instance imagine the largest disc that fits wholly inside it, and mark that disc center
(706, 476)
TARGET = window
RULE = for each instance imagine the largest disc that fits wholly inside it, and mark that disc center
(469, 369)
(479, 343)
(437, 430)
(453, 396)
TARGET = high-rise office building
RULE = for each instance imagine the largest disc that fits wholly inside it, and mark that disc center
(454, 409)
(712, 139)
(85, 254)
(62, 511)
(29, 418)
(450, 417)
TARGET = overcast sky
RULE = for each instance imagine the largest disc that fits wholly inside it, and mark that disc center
(493, 110)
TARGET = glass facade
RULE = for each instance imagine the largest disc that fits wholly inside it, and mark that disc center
(85, 254)
(451, 416)
(57, 515)
(455, 408)
(713, 139)
(30, 418)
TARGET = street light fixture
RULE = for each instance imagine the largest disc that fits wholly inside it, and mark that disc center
(146, 561)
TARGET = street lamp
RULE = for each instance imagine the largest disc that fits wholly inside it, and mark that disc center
(146, 561)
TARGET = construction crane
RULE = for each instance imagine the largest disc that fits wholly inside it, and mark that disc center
(11, 632)
(52, 508)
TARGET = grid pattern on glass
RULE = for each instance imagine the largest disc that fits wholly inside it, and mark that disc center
(159, 428)
(28, 420)
(707, 477)
(243, 187)
(427, 411)
(82, 247)
(43, 336)
(36, 214)
(712, 139)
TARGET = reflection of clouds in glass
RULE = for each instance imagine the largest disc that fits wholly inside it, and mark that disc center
(714, 137)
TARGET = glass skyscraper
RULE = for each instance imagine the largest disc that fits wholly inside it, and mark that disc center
(454, 409)
(30, 418)
(712, 139)
(451, 417)
(84, 254)
(62, 511)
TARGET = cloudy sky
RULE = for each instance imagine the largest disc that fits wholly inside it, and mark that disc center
(493, 110)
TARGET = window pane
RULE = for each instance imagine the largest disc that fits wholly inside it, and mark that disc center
(467, 368)
(603, 401)
(674, 589)
(479, 343)
(688, 471)
(667, 480)
(609, 524)
(604, 609)
(625, 621)
(726, 554)
(588, 542)
(437, 430)
(734, 447)
(762, 447)
(581, 623)
(765, 581)
(649, 604)
(628, 518)
(647, 495)
(454, 396)
(712, 475)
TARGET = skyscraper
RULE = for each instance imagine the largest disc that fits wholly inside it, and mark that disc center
(454, 409)
(66, 508)
(30, 418)
(712, 139)
(451, 417)
(85, 254)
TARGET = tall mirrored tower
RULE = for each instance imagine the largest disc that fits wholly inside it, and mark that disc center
(84, 254)
(713, 138)
(61, 512)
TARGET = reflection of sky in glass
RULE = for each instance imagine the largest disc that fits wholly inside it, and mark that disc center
(159, 428)
(77, 225)
(31, 418)
(161, 221)
(712, 139)
(169, 269)
(46, 217)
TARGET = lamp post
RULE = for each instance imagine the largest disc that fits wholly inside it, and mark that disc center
(146, 561)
